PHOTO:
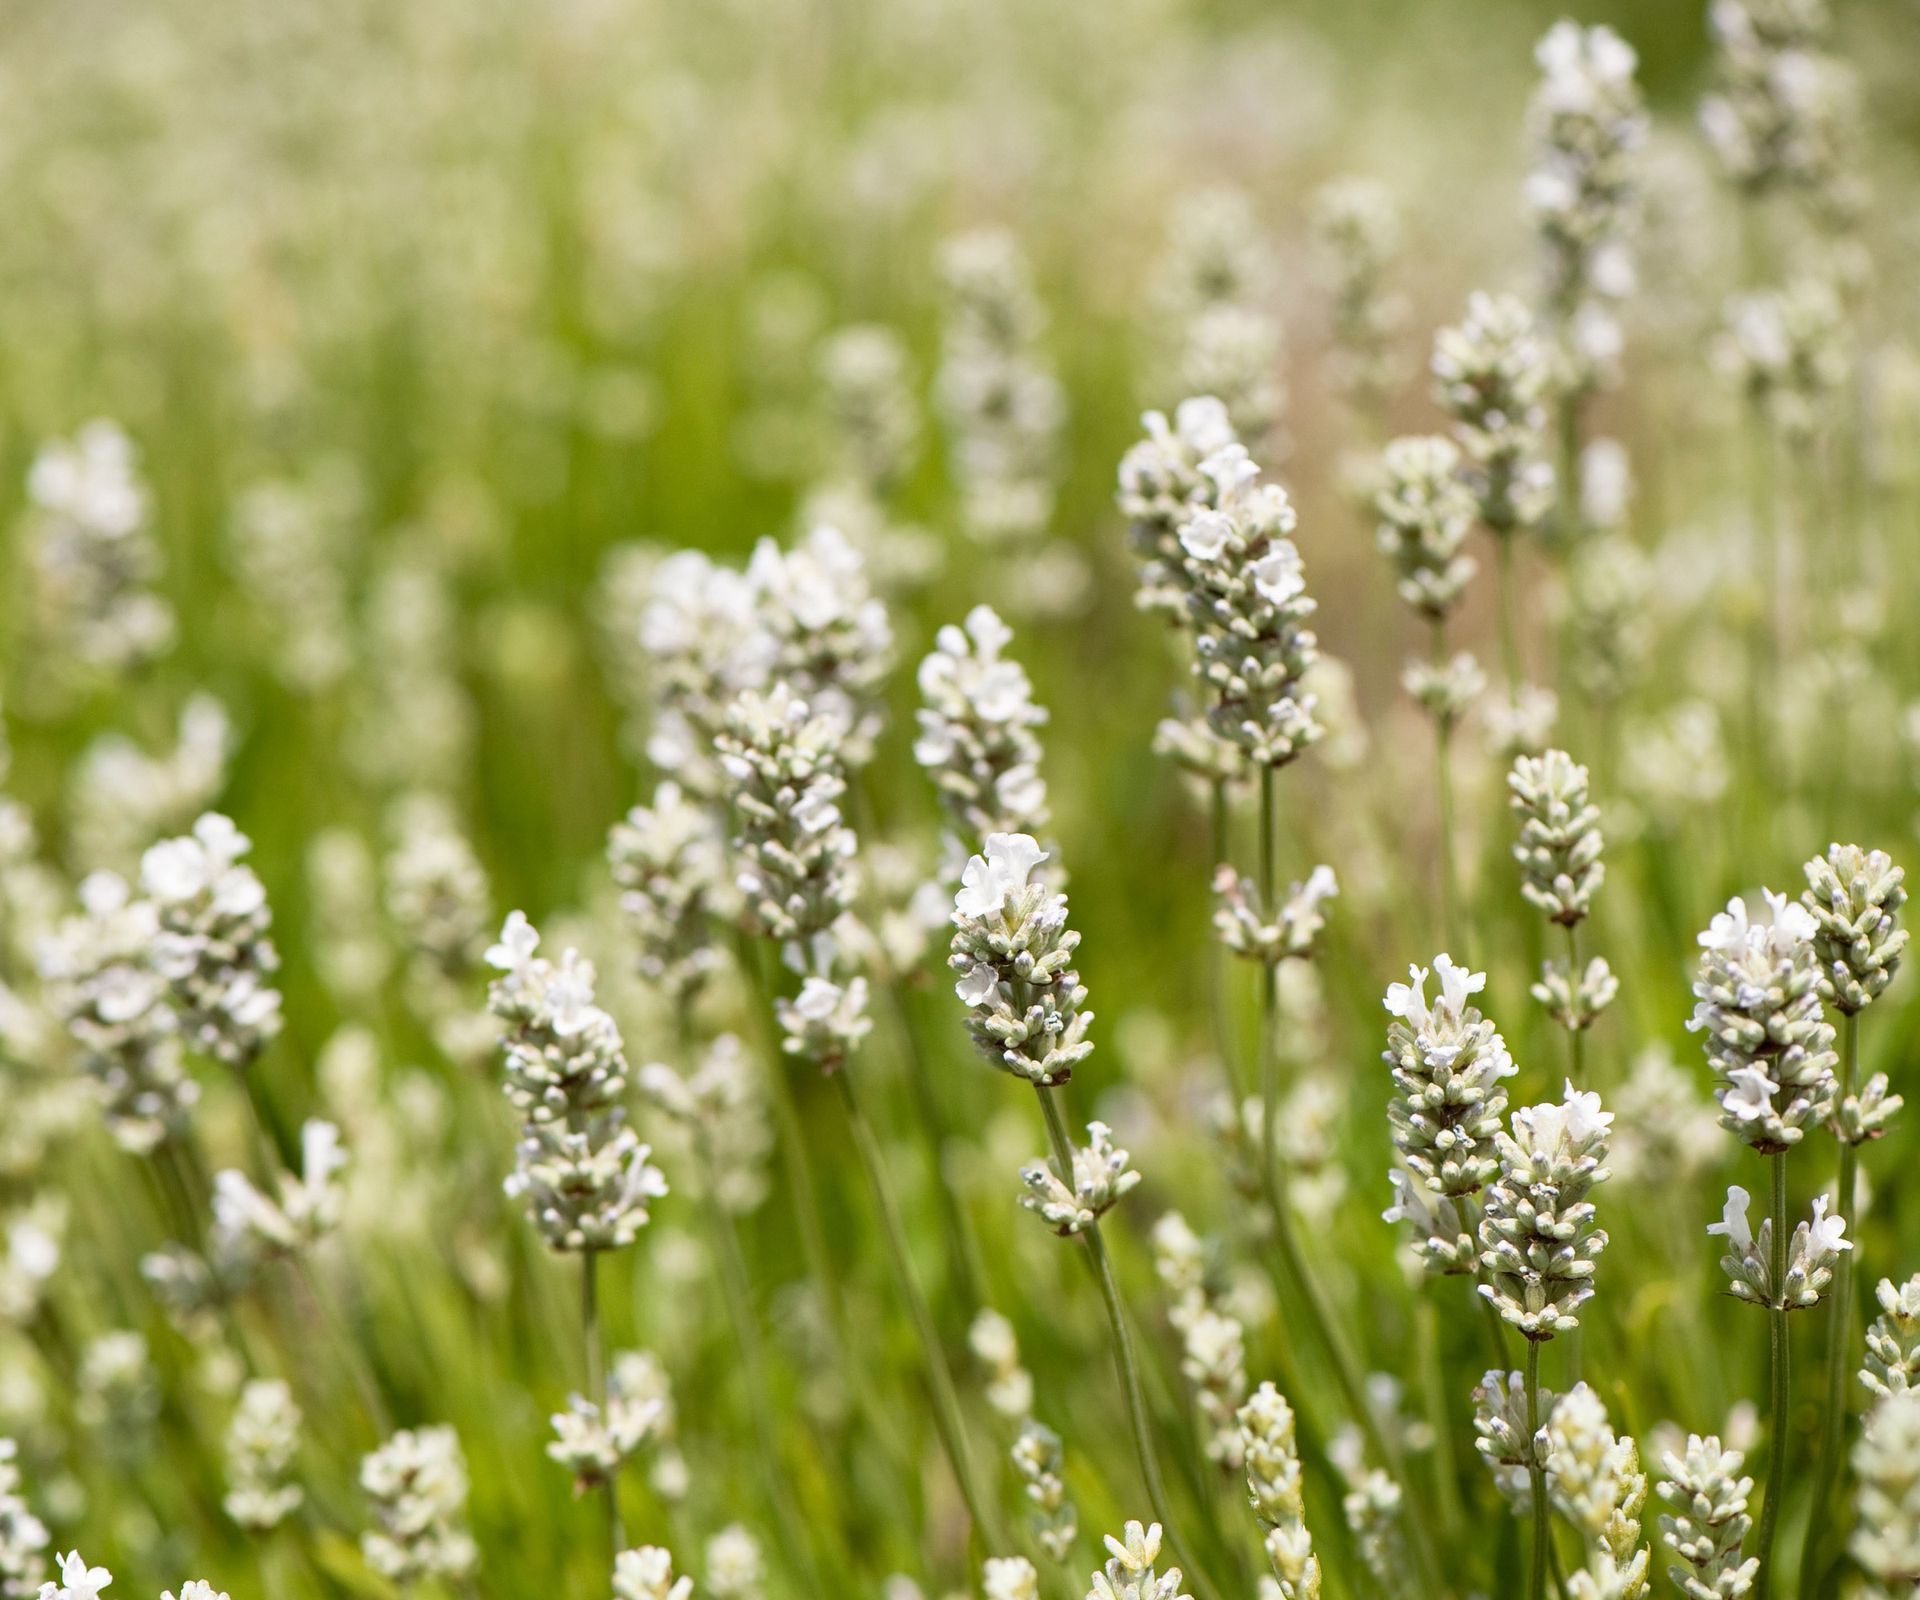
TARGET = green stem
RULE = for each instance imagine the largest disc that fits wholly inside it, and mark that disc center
(946, 1404)
(1576, 1037)
(1123, 1353)
(1779, 1360)
(1537, 1477)
(597, 1377)
(1443, 759)
(1833, 1428)
(1509, 632)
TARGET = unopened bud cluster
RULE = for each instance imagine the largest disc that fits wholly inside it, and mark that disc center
(1493, 375)
(1243, 925)
(1854, 897)
(1100, 1177)
(1272, 1457)
(1706, 1521)
(1160, 486)
(261, 1442)
(1425, 513)
(1893, 1339)
(1131, 1571)
(977, 739)
(666, 862)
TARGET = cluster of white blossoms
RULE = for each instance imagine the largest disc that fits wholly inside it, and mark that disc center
(261, 1442)
(647, 1574)
(582, 1171)
(1160, 486)
(288, 539)
(1854, 897)
(100, 980)
(1357, 235)
(1248, 605)
(1886, 1461)
(1215, 294)
(94, 558)
(592, 1442)
(416, 1487)
(1605, 612)
(996, 1346)
(1770, 1045)
(1009, 1578)
(1492, 376)
(1004, 411)
(977, 739)
(867, 387)
(125, 797)
(1213, 1343)
(1425, 513)
(436, 890)
(1508, 1445)
(1588, 124)
(23, 1536)
(1787, 350)
(736, 1569)
(1040, 1463)
(1893, 1339)
(249, 1226)
(1013, 952)
(722, 1103)
(1781, 109)
(1101, 1176)
(1244, 926)
(1594, 1480)
(702, 639)
(1272, 1456)
(214, 944)
(1448, 1062)
(1559, 852)
(1131, 1571)
(1539, 1241)
(1812, 1254)
(1706, 1521)
(668, 866)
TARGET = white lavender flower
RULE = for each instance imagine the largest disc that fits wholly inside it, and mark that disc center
(1707, 1520)
(592, 1441)
(795, 852)
(1759, 1007)
(1893, 1339)
(1214, 293)
(1787, 350)
(702, 633)
(249, 1226)
(1594, 1480)
(100, 980)
(1540, 1243)
(1445, 690)
(722, 1102)
(78, 1581)
(262, 1440)
(1160, 486)
(436, 888)
(1039, 1461)
(647, 1574)
(666, 861)
(1493, 374)
(1448, 1063)
(736, 1570)
(1886, 1461)
(1248, 605)
(1560, 840)
(416, 1488)
(1605, 612)
(996, 1347)
(1854, 897)
(197, 1589)
(1812, 1253)
(1438, 1230)
(1012, 949)
(1272, 1459)
(1375, 1509)
(867, 377)
(1100, 1178)
(123, 797)
(289, 538)
(1356, 230)
(1587, 125)
(1009, 1578)
(1003, 409)
(824, 1023)
(214, 945)
(1508, 1445)
(1296, 924)
(94, 558)
(977, 738)
(23, 1536)
(1425, 512)
(1213, 1342)
(1131, 1571)
(1781, 110)
(583, 1173)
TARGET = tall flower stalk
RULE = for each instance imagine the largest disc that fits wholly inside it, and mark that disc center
(1758, 994)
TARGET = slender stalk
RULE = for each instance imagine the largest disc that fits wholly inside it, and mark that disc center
(961, 1254)
(1273, 1183)
(1509, 632)
(597, 1378)
(946, 1404)
(1446, 1485)
(1443, 761)
(1833, 1429)
(1576, 1037)
(1123, 1354)
(1537, 1478)
(1779, 1358)
(1217, 957)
